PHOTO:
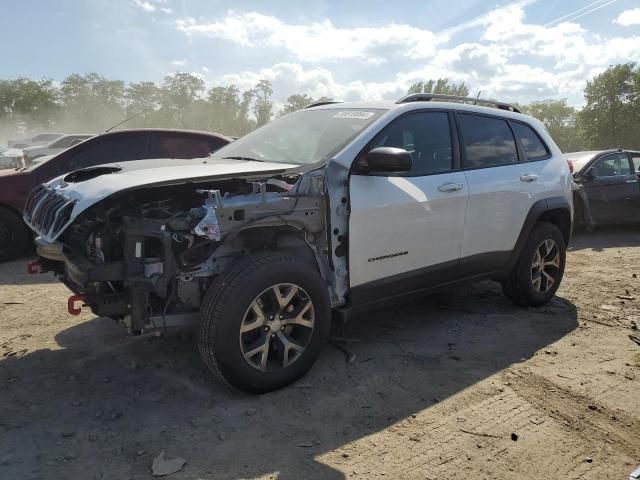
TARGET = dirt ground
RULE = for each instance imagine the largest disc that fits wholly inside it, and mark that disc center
(459, 385)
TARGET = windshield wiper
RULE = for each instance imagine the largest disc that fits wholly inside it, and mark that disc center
(242, 158)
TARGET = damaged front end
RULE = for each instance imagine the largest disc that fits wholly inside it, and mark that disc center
(146, 256)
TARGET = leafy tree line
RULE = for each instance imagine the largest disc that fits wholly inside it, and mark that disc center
(93, 103)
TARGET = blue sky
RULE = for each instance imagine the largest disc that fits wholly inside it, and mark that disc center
(511, 50)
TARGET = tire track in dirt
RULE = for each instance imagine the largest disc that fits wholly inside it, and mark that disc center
(592, 422)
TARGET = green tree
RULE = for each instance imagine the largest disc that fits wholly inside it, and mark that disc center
(24, 98)
(91, 102)
(560, 120)
(298, 102)
(611, 115)
(180, 90)
(141, 96)
(441, 86)
(263, 106)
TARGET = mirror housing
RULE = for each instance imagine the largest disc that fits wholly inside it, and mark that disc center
(588, 175)
(387, 160)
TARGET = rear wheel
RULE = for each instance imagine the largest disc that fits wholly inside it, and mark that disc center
(537, 275)
(264, 322)
(14, 236)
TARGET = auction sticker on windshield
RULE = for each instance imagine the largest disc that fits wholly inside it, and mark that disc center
(354, 114)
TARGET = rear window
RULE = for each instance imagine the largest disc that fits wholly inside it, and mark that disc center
(180, 146)
(530, 141)
(488, 142)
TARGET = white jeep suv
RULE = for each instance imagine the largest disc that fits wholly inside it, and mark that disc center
(334, 209)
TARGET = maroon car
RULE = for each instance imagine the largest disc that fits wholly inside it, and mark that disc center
(117, 146)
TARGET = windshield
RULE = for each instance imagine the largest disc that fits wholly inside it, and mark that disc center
(304, 137)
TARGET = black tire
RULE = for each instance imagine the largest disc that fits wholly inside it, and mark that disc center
(519, 285)
(14, 236)
(226, 304)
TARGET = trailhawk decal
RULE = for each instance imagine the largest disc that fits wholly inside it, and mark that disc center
(391, 255)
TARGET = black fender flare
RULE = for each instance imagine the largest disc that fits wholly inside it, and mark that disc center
(538, 211)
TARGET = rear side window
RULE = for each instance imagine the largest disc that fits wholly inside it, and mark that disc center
(488, 142)
(180, 146)
(123, 148)
(530, 141)
(425, 135)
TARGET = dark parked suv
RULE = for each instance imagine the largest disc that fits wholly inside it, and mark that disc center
(117, 146)
(606, 190)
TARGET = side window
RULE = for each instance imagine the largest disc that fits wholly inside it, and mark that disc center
(530, 141)
(123, 148)
(216, 144)
(179, 146)
(63, 142)
(82, 158)
(635, 159)
(613, 165)
(426, 135)
(488, 142)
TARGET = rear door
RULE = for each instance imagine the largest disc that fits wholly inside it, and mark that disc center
(503, 186)
(402, 226)
(613, 189)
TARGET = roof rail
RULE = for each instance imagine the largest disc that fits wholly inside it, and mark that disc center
(427, 97)
(319, 104)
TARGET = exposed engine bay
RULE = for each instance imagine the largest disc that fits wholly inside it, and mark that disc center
(147, 256)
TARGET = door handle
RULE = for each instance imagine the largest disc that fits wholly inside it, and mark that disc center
(450, 187)
(528, 177)
(632, 181)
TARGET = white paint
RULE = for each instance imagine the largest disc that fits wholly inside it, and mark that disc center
(397, 214)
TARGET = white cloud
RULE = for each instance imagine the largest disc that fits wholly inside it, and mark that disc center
(318, 41)
(628, 17)
(146, 6)
(205, 69)
(290, 78)
(153, 5)
(512, 59)
(179, 63)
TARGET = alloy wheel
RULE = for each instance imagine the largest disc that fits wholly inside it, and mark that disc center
(277, 327)
(545, 266)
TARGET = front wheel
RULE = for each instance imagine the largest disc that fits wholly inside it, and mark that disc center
(264, 322)
(538, 272)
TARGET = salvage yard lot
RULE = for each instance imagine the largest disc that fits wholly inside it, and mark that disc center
(438, 388)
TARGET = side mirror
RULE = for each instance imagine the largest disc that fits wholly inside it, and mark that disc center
(588, 175)
(387, 160)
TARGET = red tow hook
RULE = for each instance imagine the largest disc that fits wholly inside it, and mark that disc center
(71, 304)
(34, 267)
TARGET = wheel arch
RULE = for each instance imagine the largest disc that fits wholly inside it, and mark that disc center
(554, 210)
(288, 239)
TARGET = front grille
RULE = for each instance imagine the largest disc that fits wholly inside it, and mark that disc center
(47, 211)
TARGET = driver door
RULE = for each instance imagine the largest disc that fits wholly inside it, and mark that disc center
(613, 190)
(405, 230)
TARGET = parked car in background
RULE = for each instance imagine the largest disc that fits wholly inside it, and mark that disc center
(56, 146)
(11, 158)
(606, 190)
(116, 146)
(40, 139)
